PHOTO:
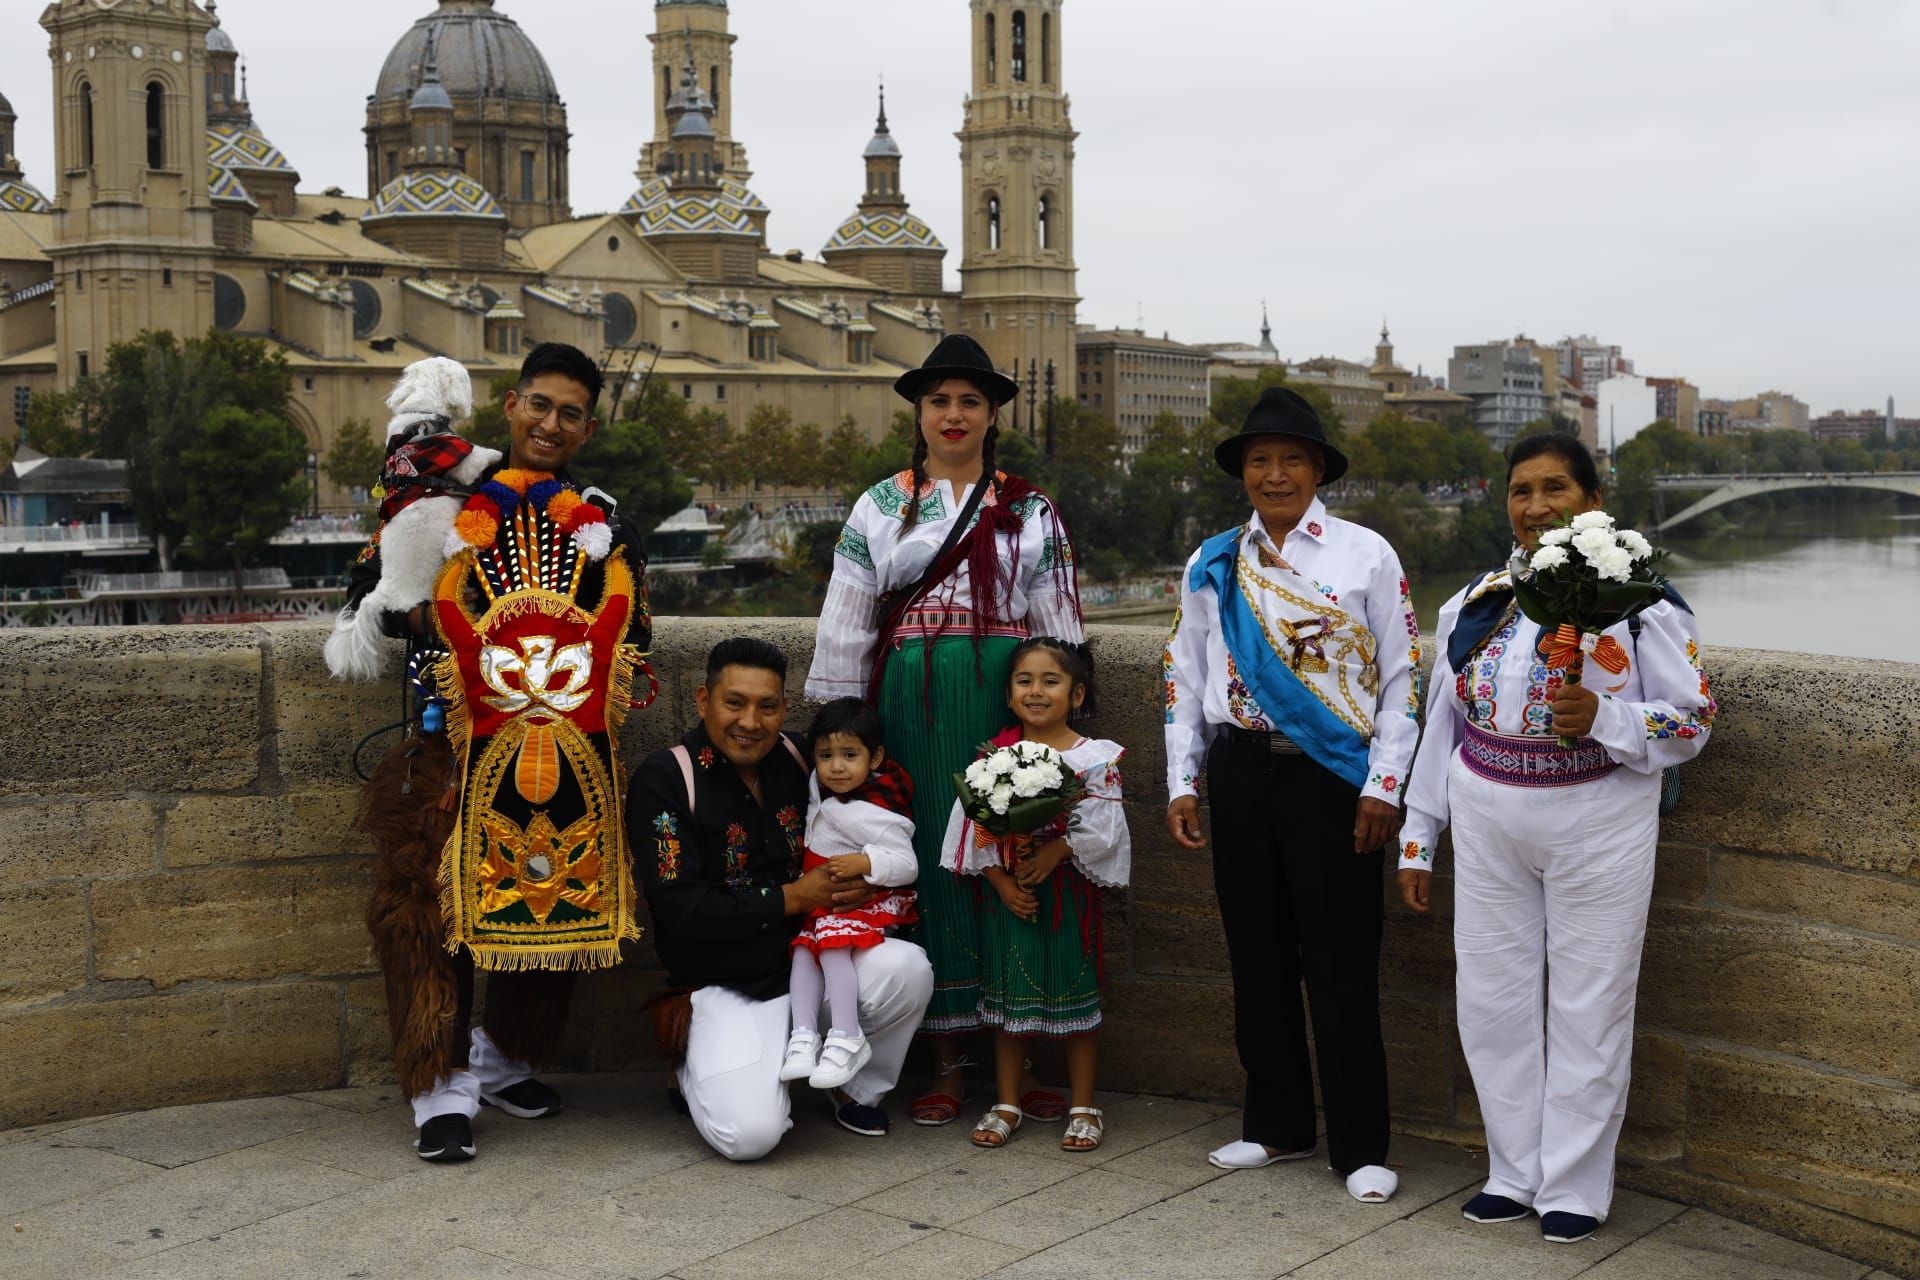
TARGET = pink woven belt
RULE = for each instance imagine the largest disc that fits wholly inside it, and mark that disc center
(952, 622)
(1534, 762)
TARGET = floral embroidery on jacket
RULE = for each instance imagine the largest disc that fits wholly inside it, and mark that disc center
(737, 875)
(1415, 853)
(854, 547)
(667, 832)
(793, 827)
(1240, 703)
(1313, 527)
(1387, 782)
(1166, 664)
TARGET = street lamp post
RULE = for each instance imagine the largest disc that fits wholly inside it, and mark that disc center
(1033, 392)
(313, 484)
(1050, 396)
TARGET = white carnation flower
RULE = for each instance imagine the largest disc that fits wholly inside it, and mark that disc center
(1001, 763)
(1027, 782)
(1592, 520)
(1001, 800)
(1049, 772)
(979, 777)
(1556, 537)
(1549, 557)
(1637, 546)
(1593, 543)
(1614, 563)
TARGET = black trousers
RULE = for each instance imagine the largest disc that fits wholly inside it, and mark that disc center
(1299, 905)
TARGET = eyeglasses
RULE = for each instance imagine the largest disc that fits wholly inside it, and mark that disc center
(573, 419)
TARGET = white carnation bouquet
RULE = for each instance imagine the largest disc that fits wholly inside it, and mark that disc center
(1017, 789)
(1586, 576)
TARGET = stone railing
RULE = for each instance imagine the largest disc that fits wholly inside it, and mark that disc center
(181, 899)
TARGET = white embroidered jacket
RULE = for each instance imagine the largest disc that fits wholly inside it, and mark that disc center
(835, 827)
(872, 557)
(1096, 826)
(1328, 568)
(1656, 713)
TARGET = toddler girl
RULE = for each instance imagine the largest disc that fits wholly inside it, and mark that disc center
(859, 823)
(1041, 944)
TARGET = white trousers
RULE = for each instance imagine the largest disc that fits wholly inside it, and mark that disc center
(731, 1078)
(1551, 888)
(487, 1071)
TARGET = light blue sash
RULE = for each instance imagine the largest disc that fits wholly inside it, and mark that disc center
(1296, 710)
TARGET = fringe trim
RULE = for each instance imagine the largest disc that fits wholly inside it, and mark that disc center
(549, 957)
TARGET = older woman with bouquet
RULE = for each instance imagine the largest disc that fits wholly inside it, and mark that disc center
(1563, 685)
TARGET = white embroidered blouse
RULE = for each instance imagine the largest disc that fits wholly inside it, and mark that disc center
(1361, 641)
(1656, 713)
(874, 557)
(837, 826)
(1096, 826)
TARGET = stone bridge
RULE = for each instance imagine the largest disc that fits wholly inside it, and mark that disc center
(1732, 488)
(181, 901)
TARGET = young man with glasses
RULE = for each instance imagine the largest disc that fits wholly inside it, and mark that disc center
(409, 807)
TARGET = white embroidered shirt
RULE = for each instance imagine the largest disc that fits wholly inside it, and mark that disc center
(836, 826)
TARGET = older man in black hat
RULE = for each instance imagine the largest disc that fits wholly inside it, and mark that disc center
(1290, 681)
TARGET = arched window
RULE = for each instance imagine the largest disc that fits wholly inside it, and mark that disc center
(1019, 46)
(1046, 48)
(993, 49)
(666, 86)
(993, 222)
(1046, 223)
(156, 126)
(86, 125)
(713, 80)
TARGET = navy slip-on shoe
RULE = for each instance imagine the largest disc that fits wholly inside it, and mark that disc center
(1565, 1228)
(529, 1100)
(857, 1117)
(1487, 1207)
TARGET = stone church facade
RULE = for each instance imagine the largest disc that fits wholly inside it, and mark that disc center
(172, 208)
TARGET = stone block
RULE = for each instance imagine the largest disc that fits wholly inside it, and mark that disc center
(78, 1059)
(223, 924)
(369, 1044)
(1837, 795)
(1419, 1039)
(135, 709)
(1656, 1126)
(206, 830)
(1831, 1141)
(1793, 988)
(1175, 916)
(46, 948)
(316, 721)
(1818, 891)
(1166, 1036)
(1680, 873)
(41, 838)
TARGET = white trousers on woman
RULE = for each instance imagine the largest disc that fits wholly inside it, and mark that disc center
(1551, 887)
(731, 1078)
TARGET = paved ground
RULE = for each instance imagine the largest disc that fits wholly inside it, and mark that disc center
(324, 1185)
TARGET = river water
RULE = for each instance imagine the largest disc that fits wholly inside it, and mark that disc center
(1832, 582)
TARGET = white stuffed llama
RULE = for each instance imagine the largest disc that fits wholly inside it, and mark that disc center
(424, 455)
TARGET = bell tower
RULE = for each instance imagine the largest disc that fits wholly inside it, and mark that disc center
(701, 27)
(1017, 277)
(133, 224)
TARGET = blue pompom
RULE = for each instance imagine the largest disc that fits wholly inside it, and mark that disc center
(433, 719)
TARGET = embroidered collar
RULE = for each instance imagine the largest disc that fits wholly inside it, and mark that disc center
(1313, 524)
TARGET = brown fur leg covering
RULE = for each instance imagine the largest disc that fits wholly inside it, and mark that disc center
(527, 1012)
(400, 809)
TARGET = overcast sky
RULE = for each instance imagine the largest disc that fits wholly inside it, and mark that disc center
(1727, 188)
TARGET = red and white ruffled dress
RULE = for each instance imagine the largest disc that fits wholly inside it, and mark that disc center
(875, 818)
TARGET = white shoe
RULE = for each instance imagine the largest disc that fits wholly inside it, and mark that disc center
(803, 1055)
(1373, 1184)
(840, 1060)
(1251, 1155)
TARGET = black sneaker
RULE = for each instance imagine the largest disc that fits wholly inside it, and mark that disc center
(445, 1139)
(1565, 1228)
(528, 1100)
(857, 1117)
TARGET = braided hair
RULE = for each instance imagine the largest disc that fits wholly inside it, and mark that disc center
(917, 469)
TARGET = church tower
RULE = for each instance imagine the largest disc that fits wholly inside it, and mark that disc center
(1017, 285)
(16, 193)
(1386, 371)
(702, 26)
(133, 225)
(883, 241)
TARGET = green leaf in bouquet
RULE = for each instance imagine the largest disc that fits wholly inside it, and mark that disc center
(1539, 601)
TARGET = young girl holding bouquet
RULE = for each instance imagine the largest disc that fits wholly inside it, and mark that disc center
(1041, 943)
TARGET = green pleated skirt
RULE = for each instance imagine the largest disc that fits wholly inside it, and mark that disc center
(934, 727)
(1042, 976)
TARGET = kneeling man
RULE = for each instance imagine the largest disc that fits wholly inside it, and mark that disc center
(717, 827)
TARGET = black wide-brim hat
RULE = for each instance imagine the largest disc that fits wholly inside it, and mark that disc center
(957, 356)
(1280, 412)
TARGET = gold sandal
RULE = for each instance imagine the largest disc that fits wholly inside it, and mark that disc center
(993, 1129)
(1086, 1126)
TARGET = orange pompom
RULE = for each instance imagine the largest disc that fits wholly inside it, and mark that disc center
(477, 528)
(561, 506)
(519, 479)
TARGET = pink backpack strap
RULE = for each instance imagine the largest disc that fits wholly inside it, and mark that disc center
(684, 759)
(794, 751)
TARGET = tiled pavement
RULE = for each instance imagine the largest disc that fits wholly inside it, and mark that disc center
(324, 1185)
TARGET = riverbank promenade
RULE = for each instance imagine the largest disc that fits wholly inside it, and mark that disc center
(321, 1185)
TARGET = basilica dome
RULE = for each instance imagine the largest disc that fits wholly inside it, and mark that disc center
(481, 54)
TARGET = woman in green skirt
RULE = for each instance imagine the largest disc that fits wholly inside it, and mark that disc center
(940, 571)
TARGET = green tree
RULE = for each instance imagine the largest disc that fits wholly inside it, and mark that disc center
(489, 427)
(1153, 506)
(155, 397)
(64, 424)
(241, 480)
(354, 459)
(629, 460)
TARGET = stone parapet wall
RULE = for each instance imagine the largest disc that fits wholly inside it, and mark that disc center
(181, 901)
